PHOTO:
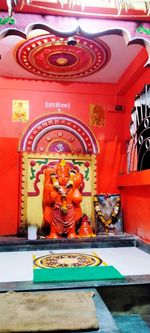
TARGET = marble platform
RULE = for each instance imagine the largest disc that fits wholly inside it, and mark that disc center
(17, 274)
(127, 253)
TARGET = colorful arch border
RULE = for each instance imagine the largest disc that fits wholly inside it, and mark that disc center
(37, 129)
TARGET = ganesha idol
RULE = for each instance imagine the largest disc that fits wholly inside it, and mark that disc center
(61, 199)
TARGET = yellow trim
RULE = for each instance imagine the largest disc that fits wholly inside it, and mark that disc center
(103, 262)
(24, 189)
(34, 258)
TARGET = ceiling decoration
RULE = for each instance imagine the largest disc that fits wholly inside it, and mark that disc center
(28, 52)
(51, 57)
(118, 4)
(82, 5)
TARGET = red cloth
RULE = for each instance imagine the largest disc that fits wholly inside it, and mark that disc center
(62, 222)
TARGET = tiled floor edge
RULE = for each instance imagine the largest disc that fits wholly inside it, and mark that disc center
(30, 286)
(140, 244)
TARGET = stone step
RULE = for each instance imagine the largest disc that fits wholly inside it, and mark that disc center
(23, 244)
(107, 323)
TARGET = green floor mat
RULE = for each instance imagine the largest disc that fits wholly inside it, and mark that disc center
(75, 274)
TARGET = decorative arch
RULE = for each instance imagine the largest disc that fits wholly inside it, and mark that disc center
(58, 133)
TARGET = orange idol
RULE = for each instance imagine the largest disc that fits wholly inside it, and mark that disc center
(61, 199)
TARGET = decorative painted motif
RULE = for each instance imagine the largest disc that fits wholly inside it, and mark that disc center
(143, 30)
(60, 260)
(97, 115)
(20, 110)
(58, 133)
(45, 162)
(33, 170)
(51, 57)
(7, 20)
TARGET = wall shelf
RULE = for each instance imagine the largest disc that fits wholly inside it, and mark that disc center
(137, 178)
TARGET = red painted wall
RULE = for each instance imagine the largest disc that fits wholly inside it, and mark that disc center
(78, 97)
(9, 171)
(137, 211)
(135, 193)
(111, 139)
(135, 188)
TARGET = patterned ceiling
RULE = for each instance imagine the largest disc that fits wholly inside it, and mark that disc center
(36, 47)
(50, 56)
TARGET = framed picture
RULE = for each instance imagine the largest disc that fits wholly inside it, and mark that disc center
(97, 115)
(20, 110)
(108, 213)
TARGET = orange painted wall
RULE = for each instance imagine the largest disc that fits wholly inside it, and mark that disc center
(78, 97)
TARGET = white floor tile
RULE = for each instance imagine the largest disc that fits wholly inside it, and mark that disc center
(17, 266)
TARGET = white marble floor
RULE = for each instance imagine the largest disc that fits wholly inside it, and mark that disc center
(18, 266)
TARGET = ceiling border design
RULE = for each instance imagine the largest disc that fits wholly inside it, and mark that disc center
(89, 28)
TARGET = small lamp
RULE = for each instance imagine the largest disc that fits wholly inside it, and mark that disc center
(71, 41)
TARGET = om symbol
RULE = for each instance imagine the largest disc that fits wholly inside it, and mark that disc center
(59, 148)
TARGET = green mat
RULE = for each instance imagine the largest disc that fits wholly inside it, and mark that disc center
(75, 274)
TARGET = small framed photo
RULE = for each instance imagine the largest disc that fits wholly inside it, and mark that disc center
(97, 115)
(108, 213)
(20, 110)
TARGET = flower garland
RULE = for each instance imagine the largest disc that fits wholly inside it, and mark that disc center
(100, 214)
(62, 190)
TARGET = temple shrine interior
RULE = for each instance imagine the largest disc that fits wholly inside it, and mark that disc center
(75, 165)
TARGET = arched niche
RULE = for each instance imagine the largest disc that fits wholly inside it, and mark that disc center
(58, 133)
(47, 140)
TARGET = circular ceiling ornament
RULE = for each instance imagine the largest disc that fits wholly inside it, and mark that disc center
(51, 57)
